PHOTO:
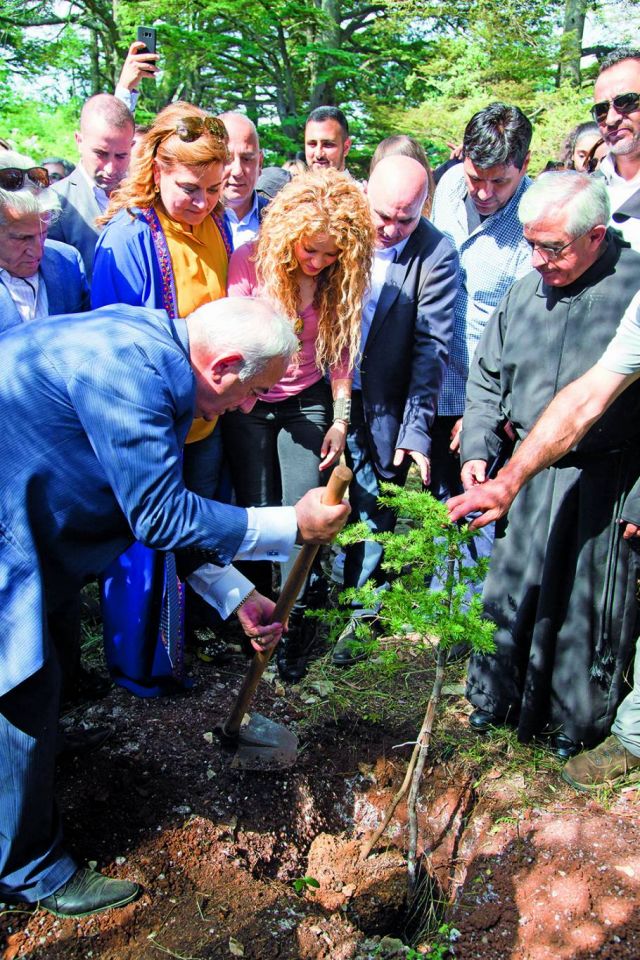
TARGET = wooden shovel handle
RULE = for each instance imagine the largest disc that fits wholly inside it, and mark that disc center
(335, 491)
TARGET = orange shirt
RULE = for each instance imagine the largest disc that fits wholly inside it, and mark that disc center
(199, 261)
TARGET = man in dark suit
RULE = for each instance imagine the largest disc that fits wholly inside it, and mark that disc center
(95, 410)
(38, 277)
(406, 328)
(104, 144)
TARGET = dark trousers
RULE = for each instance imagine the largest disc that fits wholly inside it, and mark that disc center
(446, 483)
(363, 560)
(32, 861)
(274, 455)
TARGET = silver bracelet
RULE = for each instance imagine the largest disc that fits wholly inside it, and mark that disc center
(342, 409)
(235, 609)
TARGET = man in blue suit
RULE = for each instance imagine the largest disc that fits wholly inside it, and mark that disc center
(95, 410)
(38, 277)
(406, 328)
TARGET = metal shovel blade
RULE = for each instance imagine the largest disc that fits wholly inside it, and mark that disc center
(264, 745)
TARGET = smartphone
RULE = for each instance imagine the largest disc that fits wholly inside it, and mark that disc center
(147, 35)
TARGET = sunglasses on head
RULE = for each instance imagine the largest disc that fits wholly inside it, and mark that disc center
(12, 178)
(624, 103)
(191, 128)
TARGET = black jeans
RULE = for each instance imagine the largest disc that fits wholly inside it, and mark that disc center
(274, 454)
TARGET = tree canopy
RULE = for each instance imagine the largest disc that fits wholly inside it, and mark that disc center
(418, 66)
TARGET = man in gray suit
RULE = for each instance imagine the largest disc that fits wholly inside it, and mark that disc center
(104, 144)
(38, 277)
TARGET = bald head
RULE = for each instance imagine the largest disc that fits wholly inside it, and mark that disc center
(109, 109)
(242, 172)
(104, 140)
(397, 191)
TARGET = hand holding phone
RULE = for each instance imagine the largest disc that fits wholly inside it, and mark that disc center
(141, 62)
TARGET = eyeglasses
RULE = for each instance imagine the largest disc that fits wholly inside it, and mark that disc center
(592, 162)
(624, 103)
(13, 178)
(191, 128)
(552, 253)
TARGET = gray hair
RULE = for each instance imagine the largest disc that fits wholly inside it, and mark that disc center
(245, 325)
(29, 201)
(584, 198)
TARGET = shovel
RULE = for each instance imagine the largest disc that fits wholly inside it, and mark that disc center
(261, 744)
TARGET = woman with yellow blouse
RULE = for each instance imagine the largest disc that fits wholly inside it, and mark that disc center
(164, 245)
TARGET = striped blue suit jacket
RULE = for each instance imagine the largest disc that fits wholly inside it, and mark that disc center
(95, 409)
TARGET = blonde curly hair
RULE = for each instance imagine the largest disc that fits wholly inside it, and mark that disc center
(162, 143)
(320, 202)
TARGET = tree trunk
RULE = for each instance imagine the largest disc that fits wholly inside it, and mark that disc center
(94, 57)
(322, 91)
(575, 12)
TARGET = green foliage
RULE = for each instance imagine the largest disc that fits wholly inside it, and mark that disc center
(39, 130)
(429, 549)
(303, 885)
(415, 66)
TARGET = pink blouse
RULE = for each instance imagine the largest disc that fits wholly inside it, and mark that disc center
(303, 372)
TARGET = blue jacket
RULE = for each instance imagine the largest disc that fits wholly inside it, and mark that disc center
(95, 409)
(126, 268)
(63, 275)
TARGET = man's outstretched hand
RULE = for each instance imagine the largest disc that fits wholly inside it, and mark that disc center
(491, 500)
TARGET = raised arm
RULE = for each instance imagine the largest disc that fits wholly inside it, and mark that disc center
(565, 421)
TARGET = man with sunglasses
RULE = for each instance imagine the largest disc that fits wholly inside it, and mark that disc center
(38, 277)
(561, 584)
(617, 112)
(104, 143)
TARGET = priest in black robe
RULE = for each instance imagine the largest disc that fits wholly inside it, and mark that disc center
(562, 582)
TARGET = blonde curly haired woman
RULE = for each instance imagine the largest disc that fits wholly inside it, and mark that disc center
(313, 258)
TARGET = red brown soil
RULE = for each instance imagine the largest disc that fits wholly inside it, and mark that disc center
(550, 876)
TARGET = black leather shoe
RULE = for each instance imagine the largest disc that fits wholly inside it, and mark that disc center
(481, 721)
(349, 647)
(80, 740)
(89, 892)
(563, 747)
(294, 650)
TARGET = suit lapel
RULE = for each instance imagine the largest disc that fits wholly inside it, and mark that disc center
(396, 276)
(54, 284)
(88, 207)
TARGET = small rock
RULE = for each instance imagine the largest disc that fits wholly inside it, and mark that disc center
(235, 947)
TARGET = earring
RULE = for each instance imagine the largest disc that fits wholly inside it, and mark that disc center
(156, 188)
